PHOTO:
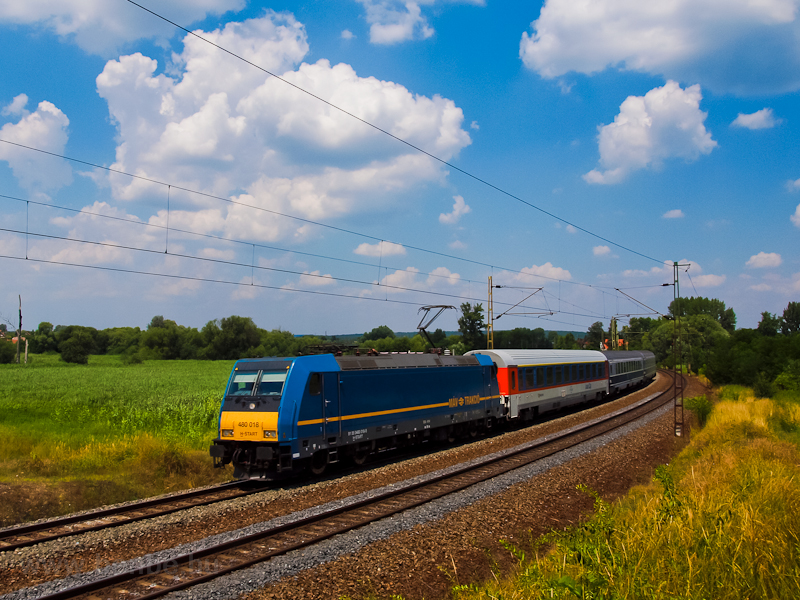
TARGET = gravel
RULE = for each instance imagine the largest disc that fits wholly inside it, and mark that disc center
(291, 565)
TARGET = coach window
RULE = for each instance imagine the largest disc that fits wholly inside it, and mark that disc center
(539, 377)
(529, 378)
(513, 380)
(574, 372)
(558, 375)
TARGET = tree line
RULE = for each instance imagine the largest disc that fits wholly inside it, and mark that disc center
(767, 358)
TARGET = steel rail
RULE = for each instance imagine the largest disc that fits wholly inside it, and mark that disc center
(29, 535)
(160, 578)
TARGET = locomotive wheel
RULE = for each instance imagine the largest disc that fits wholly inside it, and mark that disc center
(319, 461)
(360, 456)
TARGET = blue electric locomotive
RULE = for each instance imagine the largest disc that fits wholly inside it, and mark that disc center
(283, 414)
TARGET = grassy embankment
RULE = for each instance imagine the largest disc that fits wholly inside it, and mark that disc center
(77, 436)
(722, 521)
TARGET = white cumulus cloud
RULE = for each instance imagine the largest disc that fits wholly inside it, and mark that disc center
(442, 275)
(380, 249)
(764, 260)
(793, 185)
(673, 214)
(101, 27)
(601, 250)
(316, 279)
(394, 21)
(709, 280)
(44, 129)
(459, 208)
(17, 106)
(404, 278)
(546, 270)
(217, 125)
(740, 46)
(761, 287)
(795, 218)
(761, 119)
(664, 123)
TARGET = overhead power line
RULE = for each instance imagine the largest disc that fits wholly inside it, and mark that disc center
(391, 135)
(274, 212)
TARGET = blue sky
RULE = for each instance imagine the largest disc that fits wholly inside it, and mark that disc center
(671, 133)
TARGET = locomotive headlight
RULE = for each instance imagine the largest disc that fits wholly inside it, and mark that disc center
(269, 433)
(227, 433)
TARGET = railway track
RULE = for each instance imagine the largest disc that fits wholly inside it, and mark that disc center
(160, 578)
(28, 535)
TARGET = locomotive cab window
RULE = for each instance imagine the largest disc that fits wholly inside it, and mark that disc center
(242, 383)
(315, 384)
(271, 383)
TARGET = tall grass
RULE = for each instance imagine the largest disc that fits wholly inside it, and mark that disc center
(114, 431)
(722, 522)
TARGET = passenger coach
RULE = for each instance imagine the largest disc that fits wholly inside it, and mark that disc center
(536, 381)
(630, 368)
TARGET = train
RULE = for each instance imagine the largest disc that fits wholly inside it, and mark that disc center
(281, 416)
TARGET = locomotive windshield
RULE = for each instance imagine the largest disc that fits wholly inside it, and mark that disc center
(242, 383)
(249, 383)
(271, 383)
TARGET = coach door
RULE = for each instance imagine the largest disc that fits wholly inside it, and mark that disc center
(330, 403)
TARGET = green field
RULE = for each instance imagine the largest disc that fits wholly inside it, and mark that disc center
(75, 436)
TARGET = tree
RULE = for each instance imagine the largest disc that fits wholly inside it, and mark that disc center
(791, 319)
(438, 337)
(230, 338)
(471, 326)
(706, 306)
(770, 324)
(44, 339)
(638, 327)
(521, 337)
(159, 322)
(379, 333)
(595, 335)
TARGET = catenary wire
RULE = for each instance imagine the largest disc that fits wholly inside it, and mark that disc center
(309, 221)
(209, 235)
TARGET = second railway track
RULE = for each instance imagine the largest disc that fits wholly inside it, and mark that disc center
(159, 578)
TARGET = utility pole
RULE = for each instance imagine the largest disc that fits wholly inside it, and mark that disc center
(19, 331)
(490, 320)
(677, 355)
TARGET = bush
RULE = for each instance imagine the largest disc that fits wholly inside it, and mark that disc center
(8, 352)
(701, 406)
(77, 347)
(762, 386)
